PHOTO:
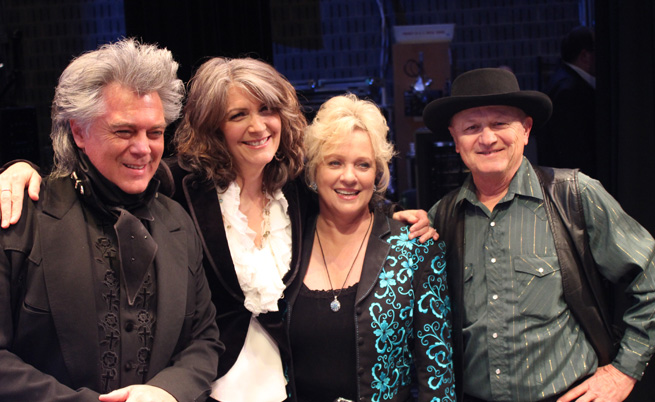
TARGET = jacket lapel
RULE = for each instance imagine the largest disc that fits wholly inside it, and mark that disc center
(67, 264)
(291, 293)
(171, 263)
(205, 211)
(377, 251)
(296, 213)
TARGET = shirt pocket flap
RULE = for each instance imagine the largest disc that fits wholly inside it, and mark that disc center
(535, 265)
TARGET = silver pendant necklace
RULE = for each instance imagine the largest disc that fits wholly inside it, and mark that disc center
(335, 305)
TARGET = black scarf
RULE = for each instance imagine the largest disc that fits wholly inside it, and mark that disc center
(136, 247)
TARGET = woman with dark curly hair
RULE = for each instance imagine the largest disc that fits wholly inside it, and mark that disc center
(239, 149)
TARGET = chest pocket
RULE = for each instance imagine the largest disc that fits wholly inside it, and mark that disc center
(35, 297)
(537, 280)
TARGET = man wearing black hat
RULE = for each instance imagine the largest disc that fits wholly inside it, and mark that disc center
(529, 251)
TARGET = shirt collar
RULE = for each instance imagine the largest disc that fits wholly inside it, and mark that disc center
(524, 184)
(590, 79)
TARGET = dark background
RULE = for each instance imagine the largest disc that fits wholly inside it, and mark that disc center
(314, 41)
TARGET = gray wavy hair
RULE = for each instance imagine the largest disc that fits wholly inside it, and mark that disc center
(142, 67)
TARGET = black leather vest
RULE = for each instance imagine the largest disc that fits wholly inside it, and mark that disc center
(586, 293)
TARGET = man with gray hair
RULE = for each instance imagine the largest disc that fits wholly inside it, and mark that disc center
(102, 291)
(528, 251)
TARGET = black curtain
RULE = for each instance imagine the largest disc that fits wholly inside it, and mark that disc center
(626, 90)
(626, 120)
(196, 29)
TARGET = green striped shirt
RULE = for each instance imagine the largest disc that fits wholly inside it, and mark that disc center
(521, 341)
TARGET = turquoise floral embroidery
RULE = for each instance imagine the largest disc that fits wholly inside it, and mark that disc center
(403, 241)
(382, 383)
(384, 331)
(392, 319)
(387, 279)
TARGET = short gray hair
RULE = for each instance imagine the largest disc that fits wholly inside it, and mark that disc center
(142, 67)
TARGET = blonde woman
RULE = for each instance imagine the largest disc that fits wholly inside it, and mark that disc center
(368, 303)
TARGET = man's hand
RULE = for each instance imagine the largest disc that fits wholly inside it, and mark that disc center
(138, 393)
(418, 218)
(607, 384)
(12, 186)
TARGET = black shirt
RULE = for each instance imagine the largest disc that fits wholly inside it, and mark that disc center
(323, 345)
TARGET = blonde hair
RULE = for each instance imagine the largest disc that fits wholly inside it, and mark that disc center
(335, 121)
(201, 145)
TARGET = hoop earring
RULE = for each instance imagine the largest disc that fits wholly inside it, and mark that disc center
(278, 157)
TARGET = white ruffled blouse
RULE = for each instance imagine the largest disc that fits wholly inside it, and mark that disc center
(260, 272)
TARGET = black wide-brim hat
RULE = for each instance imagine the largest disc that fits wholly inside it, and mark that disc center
(486, 87)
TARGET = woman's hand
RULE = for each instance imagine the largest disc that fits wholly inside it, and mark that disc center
(13, 182)
(418, 218)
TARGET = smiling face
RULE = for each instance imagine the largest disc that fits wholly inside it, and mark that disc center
(252, 132)
(346, 176)
(126, 143)
(490, 140)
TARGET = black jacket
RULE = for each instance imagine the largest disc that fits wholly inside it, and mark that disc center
(200, 199)
(568, 139)
(402, 315)
(48, 327)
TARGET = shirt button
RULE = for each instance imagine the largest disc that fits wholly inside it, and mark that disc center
(497, 371)
(495, 335)
(541, 270)
(492, 224)
(493, 260)
(495, 297)
(129, 326)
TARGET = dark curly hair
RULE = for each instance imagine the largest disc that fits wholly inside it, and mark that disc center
(201, 145)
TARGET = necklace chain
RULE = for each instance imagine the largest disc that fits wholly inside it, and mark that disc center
(266, 214)
(335, 305)
(266, 217)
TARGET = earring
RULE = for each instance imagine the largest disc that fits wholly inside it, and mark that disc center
(314, 187)
(375, 188)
